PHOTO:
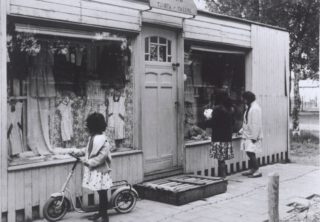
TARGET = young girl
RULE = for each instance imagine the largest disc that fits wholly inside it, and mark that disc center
(221, 125)
(97, 162)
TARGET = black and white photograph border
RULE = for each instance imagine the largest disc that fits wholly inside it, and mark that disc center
(159, 110)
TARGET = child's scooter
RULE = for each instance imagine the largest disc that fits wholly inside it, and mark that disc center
(123, 199)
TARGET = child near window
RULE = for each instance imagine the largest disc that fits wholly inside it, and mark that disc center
(97, 160)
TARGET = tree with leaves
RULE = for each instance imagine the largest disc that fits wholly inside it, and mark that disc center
(299, 17)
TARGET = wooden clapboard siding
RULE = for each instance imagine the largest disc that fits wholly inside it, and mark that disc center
(269, 55)
(42, 188)
(11, 196)
(198, 160)
(99, 13)
(32, 187)
(217, 30)
(269, 73)
(35, 178)
(27, 196)
(156, 18)
(3, 108)
(274, 119)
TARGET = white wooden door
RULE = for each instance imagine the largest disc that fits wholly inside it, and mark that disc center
(159, 97)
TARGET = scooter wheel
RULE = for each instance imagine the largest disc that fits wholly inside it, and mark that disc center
(125, 201)
(55, 208)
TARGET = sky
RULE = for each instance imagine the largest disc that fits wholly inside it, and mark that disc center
(200, 4)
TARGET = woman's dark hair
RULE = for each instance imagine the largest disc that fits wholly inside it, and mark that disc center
(222, 98)
(249, 96)
(96, 123)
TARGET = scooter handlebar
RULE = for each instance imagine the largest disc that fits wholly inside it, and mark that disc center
(75, 156)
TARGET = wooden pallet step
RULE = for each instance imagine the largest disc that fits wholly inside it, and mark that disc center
(181, 189)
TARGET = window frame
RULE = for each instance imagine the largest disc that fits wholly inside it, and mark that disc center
(168, 49)
(72, 35)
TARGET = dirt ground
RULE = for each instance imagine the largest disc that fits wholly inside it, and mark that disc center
(305, 150)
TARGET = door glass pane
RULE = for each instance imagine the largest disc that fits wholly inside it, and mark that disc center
(169, 47)
(153, 52)
(154, 39)
(163, 41)
(162, 53)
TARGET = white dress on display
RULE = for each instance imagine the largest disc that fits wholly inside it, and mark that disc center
(14, 129)
(116, 113)
(66, 121)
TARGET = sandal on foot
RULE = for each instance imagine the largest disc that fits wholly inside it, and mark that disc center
(247, 173)
(255, 175)
(94, 217)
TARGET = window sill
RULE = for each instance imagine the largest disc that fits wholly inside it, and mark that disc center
(192, 143)
(54, 162)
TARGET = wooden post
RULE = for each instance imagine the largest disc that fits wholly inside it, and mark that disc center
(273, 197)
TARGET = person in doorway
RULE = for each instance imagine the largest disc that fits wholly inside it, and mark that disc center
(251, 133)
(97, 163)
(221, 123)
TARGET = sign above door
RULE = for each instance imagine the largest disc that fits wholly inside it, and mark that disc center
(180, 6)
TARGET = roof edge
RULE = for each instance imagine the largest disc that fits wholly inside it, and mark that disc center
(232, 18)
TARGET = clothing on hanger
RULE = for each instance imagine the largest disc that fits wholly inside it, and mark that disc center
(116, 114)
(14, 133)
(66, 124)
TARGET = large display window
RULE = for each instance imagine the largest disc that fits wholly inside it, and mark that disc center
(208, 71)
(54, 82)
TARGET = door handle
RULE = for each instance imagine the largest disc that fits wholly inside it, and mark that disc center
(177, 104)
(175, 65)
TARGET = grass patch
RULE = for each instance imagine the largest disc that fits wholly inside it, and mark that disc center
(304, 148)
(305, 136)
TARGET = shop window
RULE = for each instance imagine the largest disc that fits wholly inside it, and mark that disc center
(206, 74)
(157, 49)
(54, 83)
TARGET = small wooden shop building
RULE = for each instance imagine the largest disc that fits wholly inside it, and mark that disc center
(172, 57)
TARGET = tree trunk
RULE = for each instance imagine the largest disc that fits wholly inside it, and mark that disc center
(296, 102)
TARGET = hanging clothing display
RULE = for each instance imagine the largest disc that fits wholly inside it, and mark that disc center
(42, 83)
(14, 134)
(94, 90)
(95, 98)
(66, 121)
(110, 67)
(116, 113)
(41, 89)
(38, 125)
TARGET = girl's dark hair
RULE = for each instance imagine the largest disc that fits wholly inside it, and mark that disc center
(96, 123)
(249, 96)
(222, 98)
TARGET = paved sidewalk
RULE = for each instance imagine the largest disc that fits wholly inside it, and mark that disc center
(245, 200)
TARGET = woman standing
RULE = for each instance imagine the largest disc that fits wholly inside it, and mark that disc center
(251, 133)
(221, 123)
(97, 162)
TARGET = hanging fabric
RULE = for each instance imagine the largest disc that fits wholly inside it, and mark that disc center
(14, 133)
(38, 125)
(40, 89)
(66, 124)
(42, 83)
(95, 98)
(116, 113)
